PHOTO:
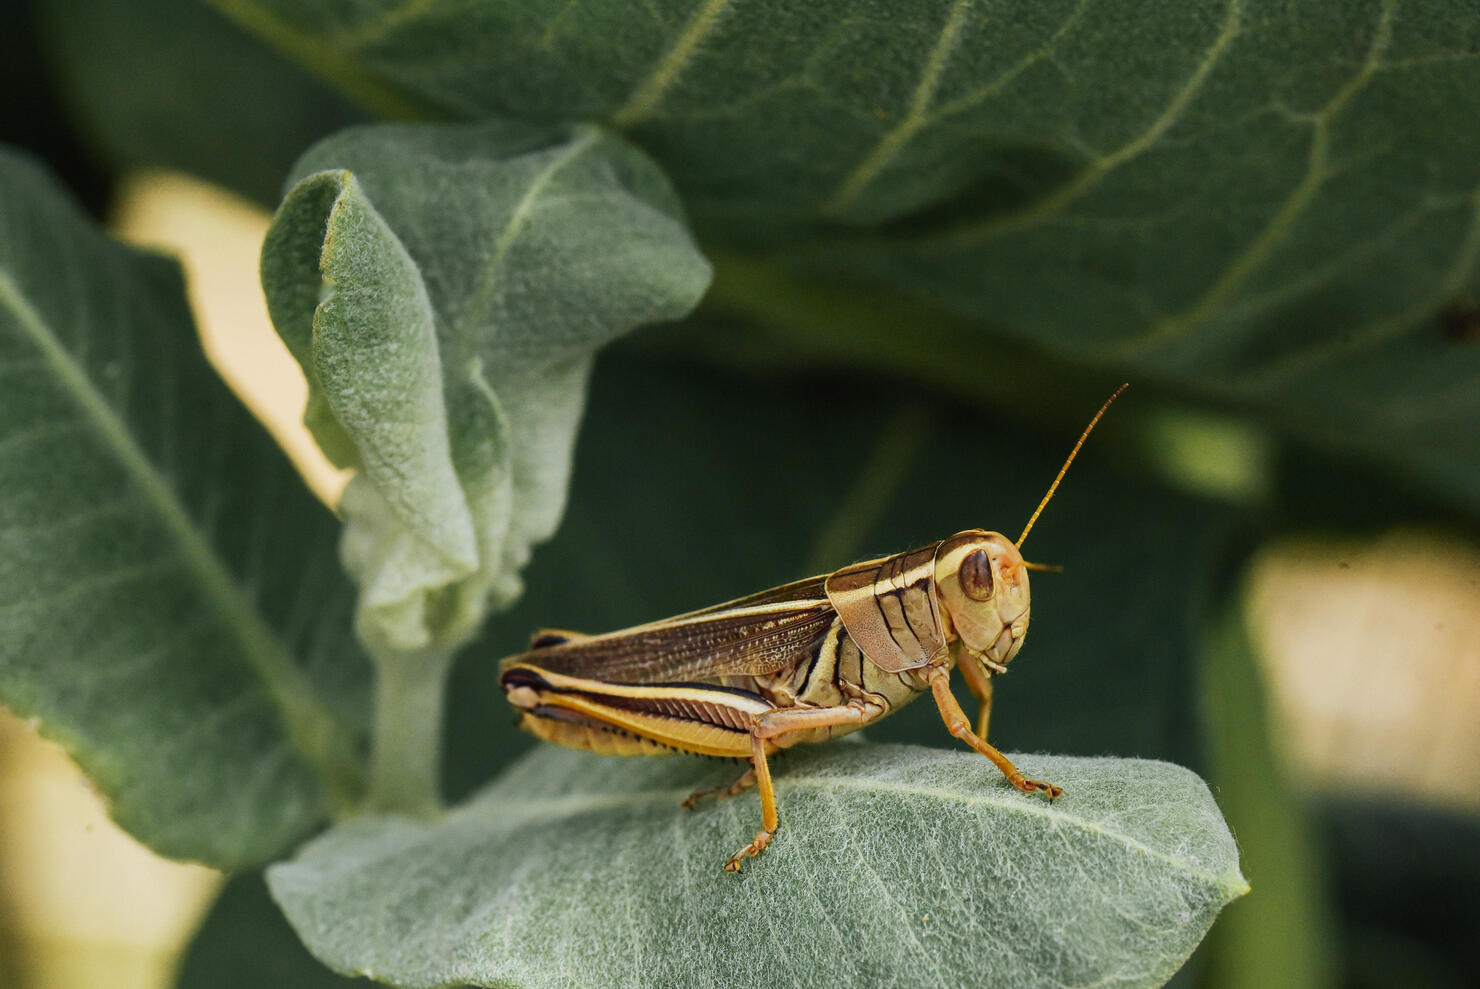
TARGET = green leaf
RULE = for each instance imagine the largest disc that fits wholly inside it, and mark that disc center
(171, 609)
(1277, 834)
(444, 288)
(1263, 205)
(894, 865)
(172, 83)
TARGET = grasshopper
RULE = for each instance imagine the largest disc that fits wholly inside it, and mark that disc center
(804, 662)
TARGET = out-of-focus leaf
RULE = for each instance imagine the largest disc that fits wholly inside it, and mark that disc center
(172, 83)
(444, 288)
(245, 943)
(1402, 875)
(31, 116)
(1285, 938)
(894, 865)
(171, 610)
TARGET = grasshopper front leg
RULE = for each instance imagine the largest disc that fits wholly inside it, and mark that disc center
(981, 686)
(958, 725)
(768, 727)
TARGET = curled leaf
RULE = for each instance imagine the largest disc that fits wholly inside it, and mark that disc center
(444, 289)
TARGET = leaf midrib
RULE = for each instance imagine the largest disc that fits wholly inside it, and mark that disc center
(313, 730)
(475, 313)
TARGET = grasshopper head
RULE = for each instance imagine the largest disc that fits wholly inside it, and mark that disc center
(982, 588)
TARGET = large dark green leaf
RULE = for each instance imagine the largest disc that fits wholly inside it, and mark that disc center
(1264, 205)
(171, 609)
(894, 866)
(445, 288)
(820, 109)
(173, 84)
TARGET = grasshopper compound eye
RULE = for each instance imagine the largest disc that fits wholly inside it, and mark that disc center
(975, 576)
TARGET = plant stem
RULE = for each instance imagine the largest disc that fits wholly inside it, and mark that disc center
(409, 700)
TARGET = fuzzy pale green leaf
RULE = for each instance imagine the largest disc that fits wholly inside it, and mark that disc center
(171, 609)
(445, 288)
(894, 866)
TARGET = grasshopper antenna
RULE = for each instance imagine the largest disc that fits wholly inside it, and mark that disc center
(1065, 469)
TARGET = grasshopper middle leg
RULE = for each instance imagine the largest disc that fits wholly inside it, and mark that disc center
(745, 782)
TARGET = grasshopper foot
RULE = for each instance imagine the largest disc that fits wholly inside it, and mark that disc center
(761, 840)
(1034, 786)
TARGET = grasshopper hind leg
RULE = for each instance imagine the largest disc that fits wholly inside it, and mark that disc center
(769, 820)
(770, 726)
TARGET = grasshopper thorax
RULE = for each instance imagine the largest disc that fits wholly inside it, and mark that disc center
(981, 587)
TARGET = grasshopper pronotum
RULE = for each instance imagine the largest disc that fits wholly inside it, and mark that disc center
(804, 662)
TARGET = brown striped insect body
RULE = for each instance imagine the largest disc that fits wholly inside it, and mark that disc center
(804, 662)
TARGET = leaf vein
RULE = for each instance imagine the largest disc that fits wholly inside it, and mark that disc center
(1264, 243)
(890, 146)
(1100, 167)
(1466, 258)
(476, 311)
(649, 93)
(83, 586)
(315, 732)
(374, 28)
(40, 431)
(586, 803)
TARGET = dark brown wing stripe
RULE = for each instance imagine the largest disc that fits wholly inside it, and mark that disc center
(694, 648)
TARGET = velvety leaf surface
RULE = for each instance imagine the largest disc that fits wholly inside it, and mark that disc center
(444, 288)
(1266, 206)
(174, 84)
(171, 609)
(894, 866)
